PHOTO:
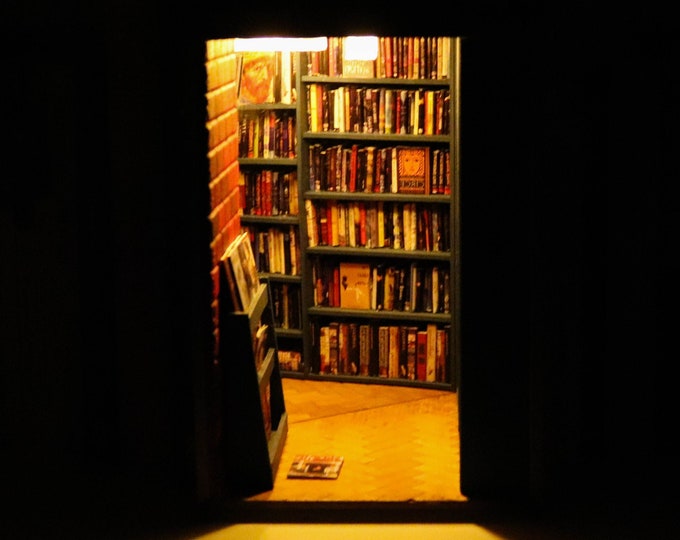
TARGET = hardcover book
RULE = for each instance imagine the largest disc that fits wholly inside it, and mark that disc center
(354, 348)
(257, 78)
(413, 169)
(260, 344)
(316, 467)
(355, 290)
(421, 355)
(228, 293)
(247, 259)
(324, 349)
(232, 258)
(333, 343)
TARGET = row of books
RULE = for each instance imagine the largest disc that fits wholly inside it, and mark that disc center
(268, 192)
(417, 353)
(291, 360)
(276, 249)
(405, 57)
(267, 134)
(355, 168)
(414, 287)
(287, 304)
(359, 109)
(395, 225)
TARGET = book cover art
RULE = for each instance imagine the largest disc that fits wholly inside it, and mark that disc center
(260, 344)
(257, 83)
(355, 292)
(228, 292)
(316, 466)
(247, 258)
(232, 258)
(413, 169)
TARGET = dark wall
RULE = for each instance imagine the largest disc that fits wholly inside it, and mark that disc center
(566, 149)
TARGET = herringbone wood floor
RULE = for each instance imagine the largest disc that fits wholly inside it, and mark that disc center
(399, 444)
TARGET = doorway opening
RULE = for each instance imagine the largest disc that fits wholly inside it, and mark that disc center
(268, 112)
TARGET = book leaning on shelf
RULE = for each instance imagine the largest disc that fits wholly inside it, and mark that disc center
(241, 271)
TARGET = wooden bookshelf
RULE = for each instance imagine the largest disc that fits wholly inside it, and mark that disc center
(269, 201)
(333, 186)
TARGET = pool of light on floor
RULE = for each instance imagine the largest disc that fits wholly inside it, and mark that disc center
(344, 531)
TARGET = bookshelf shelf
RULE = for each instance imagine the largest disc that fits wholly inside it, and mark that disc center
(385, 137)
(362, 81)
(289, 333)
(419, 316)
(281, 278)
(386, 253)
(267, 162)
(270, 220)
(267, 107)
(382, 381)
(387, 197)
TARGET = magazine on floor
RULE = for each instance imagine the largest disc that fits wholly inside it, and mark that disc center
(315, 466)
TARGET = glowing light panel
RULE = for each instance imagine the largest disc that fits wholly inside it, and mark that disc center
(283, 44)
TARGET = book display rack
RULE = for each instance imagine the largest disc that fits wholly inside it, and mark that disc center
(352, 206)
(254, 421)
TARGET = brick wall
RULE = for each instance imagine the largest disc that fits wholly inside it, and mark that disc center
(222, 126)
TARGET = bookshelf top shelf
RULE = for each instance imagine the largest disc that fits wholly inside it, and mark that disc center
(365, 81)
(268, 162)
(388, 253)
(395, 137)
(267, 107)
(372, 196)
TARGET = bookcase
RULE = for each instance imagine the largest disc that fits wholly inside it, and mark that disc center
(372, 243)
(268, 167)
(254, 419)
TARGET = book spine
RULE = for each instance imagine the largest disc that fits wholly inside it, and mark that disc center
(333, 342)
(394, 352)
(403, 352)
(441, 353)
(364, 349)
(421, 355)
(431, 365)
(388, 294)
(343, 348)
(383, 350)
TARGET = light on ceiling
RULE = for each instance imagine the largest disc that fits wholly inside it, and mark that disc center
(283, 44)
(360, 48)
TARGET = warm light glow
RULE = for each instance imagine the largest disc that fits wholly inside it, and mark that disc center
(283, 44)
(360, 48)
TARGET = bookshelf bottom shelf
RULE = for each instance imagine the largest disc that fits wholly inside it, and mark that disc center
(384, 381)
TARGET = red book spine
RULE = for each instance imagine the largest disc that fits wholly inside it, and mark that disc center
(362, 223)
(353, 169)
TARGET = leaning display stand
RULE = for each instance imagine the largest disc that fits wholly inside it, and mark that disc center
(255, 422)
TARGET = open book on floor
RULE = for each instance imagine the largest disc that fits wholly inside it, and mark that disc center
(315, 466)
